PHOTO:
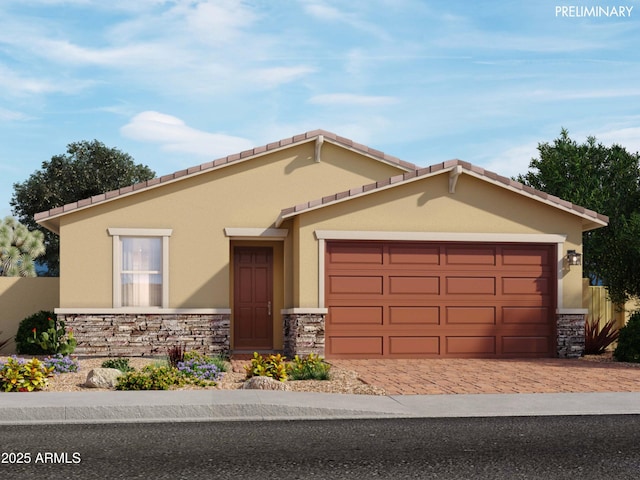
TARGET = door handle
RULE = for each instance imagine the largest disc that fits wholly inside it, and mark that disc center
(269, 308)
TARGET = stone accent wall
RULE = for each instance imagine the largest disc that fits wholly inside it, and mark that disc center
(303, 334)
(148, 334)
(570, 335)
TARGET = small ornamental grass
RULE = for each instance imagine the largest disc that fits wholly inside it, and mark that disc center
(121, 364)
(62, 363)
(311, 367)
(20, 375)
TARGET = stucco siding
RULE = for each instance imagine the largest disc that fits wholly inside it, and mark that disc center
(197, 209)
(427, 206)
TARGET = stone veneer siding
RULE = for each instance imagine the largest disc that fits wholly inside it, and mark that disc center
(303, 334)
(570, 335)
(148, 334)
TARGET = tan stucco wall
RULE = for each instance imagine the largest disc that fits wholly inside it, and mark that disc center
(245, 194)
(427, 206)
(21, 297)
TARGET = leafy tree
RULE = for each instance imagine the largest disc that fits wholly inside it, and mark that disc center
(87, 169)
(18, 248)
(606, 180)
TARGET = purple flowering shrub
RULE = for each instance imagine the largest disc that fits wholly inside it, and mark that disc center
(62, 363)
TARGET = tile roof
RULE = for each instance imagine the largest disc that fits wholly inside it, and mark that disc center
(596, 218)
(221, 162)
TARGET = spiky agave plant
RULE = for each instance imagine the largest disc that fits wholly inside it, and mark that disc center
(18, 248)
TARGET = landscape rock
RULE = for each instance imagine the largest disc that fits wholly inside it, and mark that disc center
(103, 378)
(264, 383)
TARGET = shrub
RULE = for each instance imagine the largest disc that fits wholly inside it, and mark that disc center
(39, 321)
(19, 375)
(201, 370)
(54, 339)
(62, 363)
(153, 377)
(311, 367)
(596, 339)
(628, 349)
(121, 364)
(217, 360)
(273, 366)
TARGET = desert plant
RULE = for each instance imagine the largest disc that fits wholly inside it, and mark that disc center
(200, 369)
(311, 367)
(18, 248)
(628, 349)
(176, 355)
(218, 360)
(273, 366)
(40, 322)
(54, 339)
(596, 339)
(62, 363)
(153, 377)
(121, 364)
(19, 375)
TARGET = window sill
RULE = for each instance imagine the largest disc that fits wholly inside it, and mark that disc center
(142, 311)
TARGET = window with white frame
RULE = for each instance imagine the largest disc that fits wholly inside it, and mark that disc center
(140, 267)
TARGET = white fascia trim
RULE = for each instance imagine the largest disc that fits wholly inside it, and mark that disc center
(440, 236)
(256, 233)
(572, 311)
(140, 232)
(142, 311)
(304, 311)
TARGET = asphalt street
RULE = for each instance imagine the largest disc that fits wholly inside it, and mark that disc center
(557, 447)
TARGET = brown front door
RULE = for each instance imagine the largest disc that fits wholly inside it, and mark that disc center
(253, 298)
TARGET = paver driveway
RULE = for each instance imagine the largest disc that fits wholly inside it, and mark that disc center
(440, 376)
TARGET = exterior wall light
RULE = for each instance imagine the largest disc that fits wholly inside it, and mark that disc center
(574, 258)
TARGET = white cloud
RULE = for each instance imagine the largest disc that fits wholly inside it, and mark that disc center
(512, 161)
(629, 138)
(9, 115)
(345, 99)
(173, 134)
(271, 77)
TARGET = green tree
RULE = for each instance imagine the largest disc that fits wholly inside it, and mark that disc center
(606, 180)
(18, 248)
(87, 169)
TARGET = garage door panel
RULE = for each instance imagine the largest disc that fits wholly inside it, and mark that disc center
(355, 346)
(414, 345)
(355, 315)
(480, 300)
(525, 345)
(414, 315)
(470, 256)
(471, 285)
(533, 257)
(525, 315)
(355, 254)
(471, 315)
(414, 255)
(525, 286)
(355, 284)
(412, 284)
(470, 345)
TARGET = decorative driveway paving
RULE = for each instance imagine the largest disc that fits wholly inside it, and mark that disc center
(446, 376)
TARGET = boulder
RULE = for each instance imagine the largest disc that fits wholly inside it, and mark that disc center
(264, 383)
(103, 378)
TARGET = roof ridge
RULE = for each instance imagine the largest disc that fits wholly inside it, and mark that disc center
(438, 167)
(223, 161)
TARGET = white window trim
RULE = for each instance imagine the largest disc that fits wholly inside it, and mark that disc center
(116, 233)
(558, 239)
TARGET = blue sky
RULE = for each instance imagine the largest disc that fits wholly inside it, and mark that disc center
(181, 82)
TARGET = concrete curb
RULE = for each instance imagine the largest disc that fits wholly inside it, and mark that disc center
(242, 405)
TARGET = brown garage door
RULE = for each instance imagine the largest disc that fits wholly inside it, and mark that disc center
(406, 299)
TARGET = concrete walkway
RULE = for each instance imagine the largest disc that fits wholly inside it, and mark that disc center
(234, 405)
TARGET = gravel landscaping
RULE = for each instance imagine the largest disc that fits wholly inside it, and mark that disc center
(342, 381)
